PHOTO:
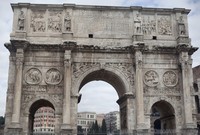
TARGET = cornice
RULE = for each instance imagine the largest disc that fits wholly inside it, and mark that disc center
(100, 7)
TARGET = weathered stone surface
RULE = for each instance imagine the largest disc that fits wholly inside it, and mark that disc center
(144, 53)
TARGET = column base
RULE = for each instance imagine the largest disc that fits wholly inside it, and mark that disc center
(66, 129)
(189, 131)
(141, 132)
(13, 131)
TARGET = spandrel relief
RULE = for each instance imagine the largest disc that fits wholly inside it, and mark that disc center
(38, 23)
(164, 25)
(21, 20)
(53, 76)
(33, 76)
(170, 79)
(151, 78)
(55, 21)
(148, 25)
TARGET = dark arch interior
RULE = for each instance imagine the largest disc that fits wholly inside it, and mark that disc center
(108, 77)
(162, 115)
(164, 108)
(34, 107)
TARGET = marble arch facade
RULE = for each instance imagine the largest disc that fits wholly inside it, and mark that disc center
(145, 53)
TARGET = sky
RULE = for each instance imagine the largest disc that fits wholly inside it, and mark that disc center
(89, 98)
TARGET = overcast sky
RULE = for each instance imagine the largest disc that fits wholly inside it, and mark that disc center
(102, 89)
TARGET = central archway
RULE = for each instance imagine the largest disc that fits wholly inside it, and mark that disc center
(116, 80)
(107, 76)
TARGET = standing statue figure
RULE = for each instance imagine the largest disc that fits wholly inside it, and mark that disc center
(21, 21)
(67, 22)
(138, 24)
(181, 26)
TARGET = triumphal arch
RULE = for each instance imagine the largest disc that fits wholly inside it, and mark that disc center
(144, 53)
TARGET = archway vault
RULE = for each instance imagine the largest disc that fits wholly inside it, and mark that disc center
(112, 77)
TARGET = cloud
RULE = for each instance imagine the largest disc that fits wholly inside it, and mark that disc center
(98, 96)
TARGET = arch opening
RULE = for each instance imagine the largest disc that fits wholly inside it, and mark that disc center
(42, 117)
(162, 118)
(112, 86)
(107, 76)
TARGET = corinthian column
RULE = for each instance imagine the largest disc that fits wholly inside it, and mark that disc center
(139, 90)
(18, 86)
(186, 74)
(67, 89)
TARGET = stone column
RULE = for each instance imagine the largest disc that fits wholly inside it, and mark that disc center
(185, 67)
(18, 87)
(139, 90)
(66, 125)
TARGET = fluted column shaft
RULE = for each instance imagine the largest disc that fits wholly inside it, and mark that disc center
(67, 88)
(139, 89)
(18, 86)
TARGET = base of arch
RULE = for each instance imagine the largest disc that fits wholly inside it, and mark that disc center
(66, 129)
(189, 131)
(13, 131)
(141, 132)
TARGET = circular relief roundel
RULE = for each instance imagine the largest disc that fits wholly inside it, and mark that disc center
(170, 78)
(53, 76)
(33, 76)
(151, 78)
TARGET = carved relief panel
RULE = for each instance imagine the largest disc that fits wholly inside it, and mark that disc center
(33, 76)
(170, 79)
(55, 21)
(161, 82)
(53, 76)
(164, 24)
(21, 21)
(38, 22)
(151, 78)
(149, 24)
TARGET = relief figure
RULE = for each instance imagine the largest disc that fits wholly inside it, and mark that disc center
(67, 21)
(21, 20)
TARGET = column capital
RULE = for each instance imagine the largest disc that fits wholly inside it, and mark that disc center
(19, 44)
(185, 48)
(138, 59)
(67, 58)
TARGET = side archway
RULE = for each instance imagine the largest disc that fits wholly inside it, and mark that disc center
(162, 117)
(34, 106)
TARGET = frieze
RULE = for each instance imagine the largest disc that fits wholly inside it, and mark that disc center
(34, 88)
(53, 76)
(170, 79)
(149, 25)
(151, 78)
(54, 89)
(55, 21)
(38, 23)
(164, 25)
(33, 76)
(161, 91)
